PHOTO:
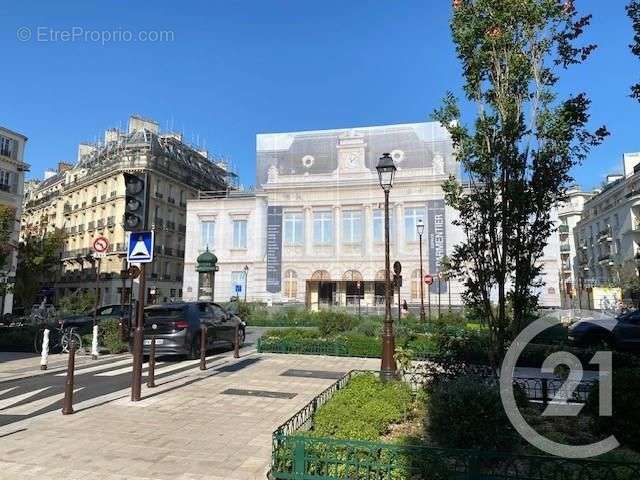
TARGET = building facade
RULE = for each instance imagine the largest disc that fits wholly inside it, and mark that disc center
(607, 237)
(569, 215)
(87, 200)
(313, 231)
(12, 170)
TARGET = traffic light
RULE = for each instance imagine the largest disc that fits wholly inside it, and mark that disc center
(135, 202)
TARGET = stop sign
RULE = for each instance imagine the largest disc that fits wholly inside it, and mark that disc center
(428, 279)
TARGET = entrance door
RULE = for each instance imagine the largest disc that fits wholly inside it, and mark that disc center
(326, 293)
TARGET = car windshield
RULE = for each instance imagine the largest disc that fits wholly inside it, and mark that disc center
(164, 312)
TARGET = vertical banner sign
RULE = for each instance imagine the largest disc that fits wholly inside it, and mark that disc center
(274, 249)
(437, 241)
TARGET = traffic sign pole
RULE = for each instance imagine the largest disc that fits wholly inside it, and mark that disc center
(136, 383)
(100, 247)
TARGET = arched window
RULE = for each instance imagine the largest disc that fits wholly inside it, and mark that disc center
(415, 285)
(290, 284)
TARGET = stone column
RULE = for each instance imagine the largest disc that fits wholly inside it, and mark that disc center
(337, 234)
(308, 231)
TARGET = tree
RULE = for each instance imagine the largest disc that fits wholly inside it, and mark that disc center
(633, 10)
(7, 227)
(38, 259)
(518, 154)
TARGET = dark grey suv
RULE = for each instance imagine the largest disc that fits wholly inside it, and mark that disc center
(179, 325)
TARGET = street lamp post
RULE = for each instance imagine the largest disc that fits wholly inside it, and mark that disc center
(386, 172)
(246, 274)
(420, 229)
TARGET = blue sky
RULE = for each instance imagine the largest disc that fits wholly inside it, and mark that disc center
(237, 68)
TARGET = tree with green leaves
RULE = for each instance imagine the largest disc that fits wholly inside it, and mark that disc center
(7, 227)
(518, 153)
(38, 260)
(633, 10)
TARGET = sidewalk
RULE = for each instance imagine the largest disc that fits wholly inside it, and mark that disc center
(187, 428)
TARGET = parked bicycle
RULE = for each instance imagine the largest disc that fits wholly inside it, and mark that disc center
(60, 338)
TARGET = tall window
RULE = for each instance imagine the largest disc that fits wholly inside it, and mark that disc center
(5, 177)
(411, 217)
(415, 284)
(207, 235)
(239, 234)
(290, 284)
(293, 229)
(6, 146)
(378, 225)
(322, 227)
(237, 283)
(352, 226)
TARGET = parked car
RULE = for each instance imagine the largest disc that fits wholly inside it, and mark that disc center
(103, 313)
(178, 327)
(620, 333)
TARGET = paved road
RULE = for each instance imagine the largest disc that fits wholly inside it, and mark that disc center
(30, 396)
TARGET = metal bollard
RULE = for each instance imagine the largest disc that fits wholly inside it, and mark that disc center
(151, 377)
(203, 348)
(236, 346)
(44, 356)
(67, 408)
(94, 343)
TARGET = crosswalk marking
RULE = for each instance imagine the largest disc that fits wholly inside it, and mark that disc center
(36, 405)
(2, 392)
(120, 371)
(104, 366)
(18, 398)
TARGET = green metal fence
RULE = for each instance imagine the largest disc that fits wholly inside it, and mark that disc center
(300, 455)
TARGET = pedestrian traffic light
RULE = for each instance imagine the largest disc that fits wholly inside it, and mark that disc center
(135, 202)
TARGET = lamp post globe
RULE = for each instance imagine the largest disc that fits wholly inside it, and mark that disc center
(386, 173)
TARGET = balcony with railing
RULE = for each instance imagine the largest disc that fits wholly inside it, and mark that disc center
(111, 221)
(605, 236)
(158, 223)
(66, 208)
(101, 223)
(171, 226)
(80, 228)
(565, 248)
(91, 226)
(113, 194)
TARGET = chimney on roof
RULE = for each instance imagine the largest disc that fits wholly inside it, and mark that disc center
(137, 123)
(64, 166)
(111, 135)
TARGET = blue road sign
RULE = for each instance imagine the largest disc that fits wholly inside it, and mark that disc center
(238, 288)
(140, 247)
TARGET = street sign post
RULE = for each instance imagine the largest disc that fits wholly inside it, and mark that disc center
(428, 279)
(100, 246)
(140, 247)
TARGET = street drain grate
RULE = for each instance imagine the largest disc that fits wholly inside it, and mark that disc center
(258, 393)
(323, 374)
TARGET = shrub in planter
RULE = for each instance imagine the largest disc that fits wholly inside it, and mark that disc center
(625, 422)
(110, 336)
(466, 412)
(462, 345)
(17, 339)
(336, 322)
(364, 409)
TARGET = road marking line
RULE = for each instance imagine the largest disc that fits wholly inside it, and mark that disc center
(120, 371)
(2, 392)
(36, 405)
(13, 400)
(88, 369)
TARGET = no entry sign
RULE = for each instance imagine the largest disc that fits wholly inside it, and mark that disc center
(428, 279)
(100, 245)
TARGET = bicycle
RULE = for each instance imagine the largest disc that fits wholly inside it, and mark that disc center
(60, 337)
